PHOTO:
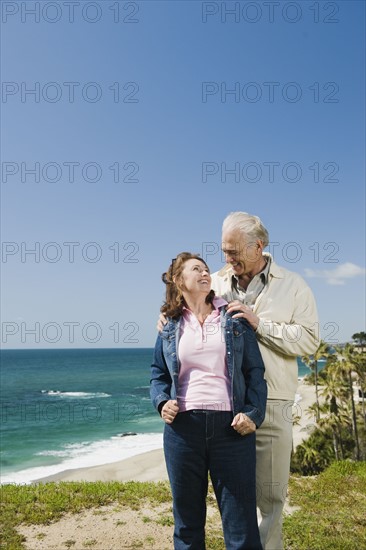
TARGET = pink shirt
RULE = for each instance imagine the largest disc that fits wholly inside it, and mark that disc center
(203, 381)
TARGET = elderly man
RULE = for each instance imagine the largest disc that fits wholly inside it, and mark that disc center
(281, 309)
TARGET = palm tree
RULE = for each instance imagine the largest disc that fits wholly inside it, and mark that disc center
(310, 454)
(347, 356)
(360, 338)
(313, 454)
(323, 352)
(359, 366)
(334, 419)
(313, 410)
(335, 392)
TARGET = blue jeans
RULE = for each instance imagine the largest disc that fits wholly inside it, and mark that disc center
(198, 442)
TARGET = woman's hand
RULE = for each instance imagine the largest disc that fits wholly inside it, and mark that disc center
(243, 425)
(161, 322)
(243, 311)
(169, 411)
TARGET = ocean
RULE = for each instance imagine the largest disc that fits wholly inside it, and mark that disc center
(74, 408)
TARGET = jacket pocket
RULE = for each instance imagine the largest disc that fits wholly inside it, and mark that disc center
(239, 327)
(238, 335)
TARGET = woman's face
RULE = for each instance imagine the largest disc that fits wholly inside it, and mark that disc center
(196, 277)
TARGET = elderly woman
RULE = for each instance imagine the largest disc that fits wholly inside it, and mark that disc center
(207, 384)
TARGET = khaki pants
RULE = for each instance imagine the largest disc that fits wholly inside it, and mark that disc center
(273, 453)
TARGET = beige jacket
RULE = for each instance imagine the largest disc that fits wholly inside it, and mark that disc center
(288, 325)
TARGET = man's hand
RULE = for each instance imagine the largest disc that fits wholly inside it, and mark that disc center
(169, 411)
(243, 425)
(161, 322)
(244, 312)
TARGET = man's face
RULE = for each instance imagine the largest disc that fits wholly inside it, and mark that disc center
(240, 253)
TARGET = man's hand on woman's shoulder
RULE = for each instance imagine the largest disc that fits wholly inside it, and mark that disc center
(243, 311)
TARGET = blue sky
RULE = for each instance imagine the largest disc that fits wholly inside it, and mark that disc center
(195, 112)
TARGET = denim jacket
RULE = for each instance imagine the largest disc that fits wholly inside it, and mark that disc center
(244, 362)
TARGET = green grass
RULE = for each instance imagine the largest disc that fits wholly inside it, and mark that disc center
(165, 521)
(45, 503)
(332, 511)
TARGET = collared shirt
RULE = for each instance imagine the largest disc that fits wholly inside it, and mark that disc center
(204, 381)
(244, 365)
(255, 287)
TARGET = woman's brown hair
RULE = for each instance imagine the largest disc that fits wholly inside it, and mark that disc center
(174, 300)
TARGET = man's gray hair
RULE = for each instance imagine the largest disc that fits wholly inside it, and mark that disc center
(250, 226)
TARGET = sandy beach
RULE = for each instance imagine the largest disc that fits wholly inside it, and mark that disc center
(117, 528)
(305, 422)
(148, 466)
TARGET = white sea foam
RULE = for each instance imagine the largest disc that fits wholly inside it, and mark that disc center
(76, 394)
(87, 454)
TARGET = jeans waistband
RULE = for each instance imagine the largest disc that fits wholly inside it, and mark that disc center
(207, 411)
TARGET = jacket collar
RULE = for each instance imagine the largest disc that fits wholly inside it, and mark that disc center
(174, 324)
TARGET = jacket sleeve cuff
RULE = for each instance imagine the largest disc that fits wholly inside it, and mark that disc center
(160, 406)
(160, 400)
(255, 415)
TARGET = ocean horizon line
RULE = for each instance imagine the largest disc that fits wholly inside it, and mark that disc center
(102, 348)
